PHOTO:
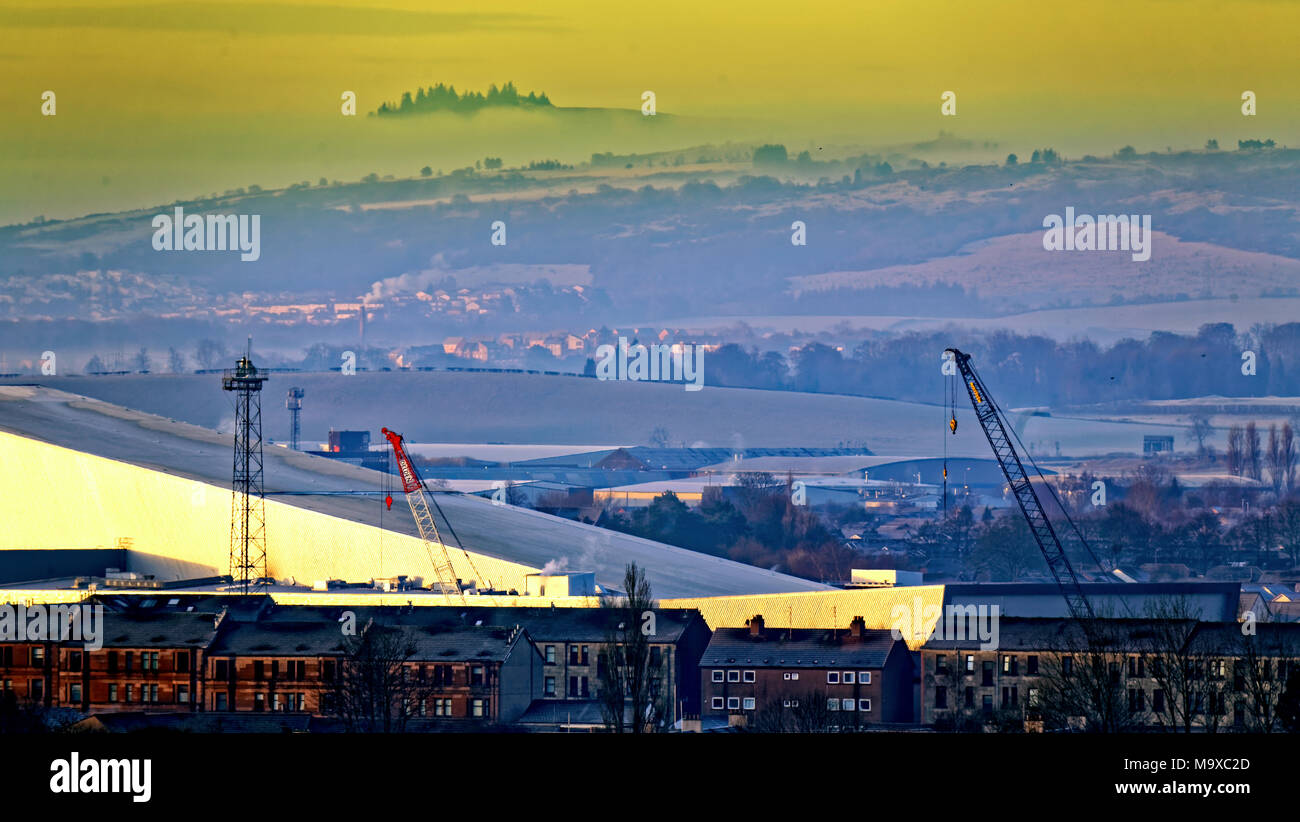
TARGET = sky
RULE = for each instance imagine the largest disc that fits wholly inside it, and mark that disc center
(162, 100)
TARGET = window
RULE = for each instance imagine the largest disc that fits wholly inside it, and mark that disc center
(1010, 665)
(128, 660)
(1067, 665)
(748, 703)
(832, 704)
(476, 675)
(786, 675)
(941, 697)
(733, 703)
(130, 693)
(573, 655)
(259, 670)
(717, 675)
(550, 686)
(112, 662)
(149, 660)
(7, 656)
(219, 703)
(1136, 699)
(276, 704)
(221, 670)
(478, 707)
(183, 662)
(1158, 701)
(74, 693)
(112, 692)
(849, 677)
(550, 654)
(987, 704)
(785, 703)
(864, 704)
(970, 663)
(38, 656)
(1031, 664)
(327, 670)
(733, 676)
(1033, 697)
(585, 659)
(1010, 695)
(74, 661)
(832, 677)
(717, 703)
(970, 697)
(259, 702)
(864, 677)
(941, 663)
(748, 676)
(794, 675)
(152, 691)
(182, 694)
(987, 673)
(442, 707)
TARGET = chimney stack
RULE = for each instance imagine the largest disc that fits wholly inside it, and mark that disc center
(857, 627)
(756, 626)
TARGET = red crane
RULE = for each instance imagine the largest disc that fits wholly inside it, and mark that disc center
(445, 579)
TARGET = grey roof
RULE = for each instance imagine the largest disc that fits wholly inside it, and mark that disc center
(166, 630)
(507, 532)
(800, 648)
(305, 637)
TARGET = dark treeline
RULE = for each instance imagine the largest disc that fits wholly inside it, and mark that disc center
(760, 527)
(1032, 370)
(446, 98)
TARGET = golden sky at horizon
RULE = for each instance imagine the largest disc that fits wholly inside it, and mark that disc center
(173, 98)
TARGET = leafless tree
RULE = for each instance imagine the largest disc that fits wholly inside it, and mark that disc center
(1254, 455)
(631, 671)
(1235, 454)
(376, 692)
(1199, 431)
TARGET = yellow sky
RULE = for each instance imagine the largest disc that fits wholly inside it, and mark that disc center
(211, 91)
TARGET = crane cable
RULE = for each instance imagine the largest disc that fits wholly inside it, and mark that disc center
(1050, 489)
(452, 531)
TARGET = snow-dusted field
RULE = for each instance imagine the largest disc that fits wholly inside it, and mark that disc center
(486, 408)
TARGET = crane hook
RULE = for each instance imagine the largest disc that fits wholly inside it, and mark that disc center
(952, 424)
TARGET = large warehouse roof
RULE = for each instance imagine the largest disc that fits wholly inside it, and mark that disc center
(517, 536)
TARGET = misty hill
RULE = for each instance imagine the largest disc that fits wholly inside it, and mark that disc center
(694, 240)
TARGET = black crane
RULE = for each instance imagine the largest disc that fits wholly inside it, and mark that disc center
(995, 428)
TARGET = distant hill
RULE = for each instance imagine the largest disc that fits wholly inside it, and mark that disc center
(442, 97)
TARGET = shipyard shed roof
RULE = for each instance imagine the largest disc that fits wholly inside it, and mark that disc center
(517, 535)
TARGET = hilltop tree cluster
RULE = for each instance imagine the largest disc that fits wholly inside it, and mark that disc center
(445, 98)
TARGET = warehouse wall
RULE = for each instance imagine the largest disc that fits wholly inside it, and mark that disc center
(54, 497)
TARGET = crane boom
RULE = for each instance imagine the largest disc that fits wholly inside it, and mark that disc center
(986, 411)
(413, 487)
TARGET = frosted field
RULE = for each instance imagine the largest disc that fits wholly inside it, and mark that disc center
(481, 408)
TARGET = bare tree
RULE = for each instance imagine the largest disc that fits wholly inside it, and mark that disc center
(1083, 687)
(1254, 457)
(1235, 455)
(375, 691)
(1199, 431)
(806, 714)
(1275, 470)
(1287, 459)
(1263, 658)
(633, 693)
